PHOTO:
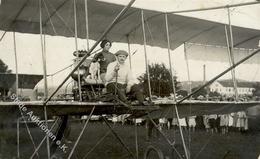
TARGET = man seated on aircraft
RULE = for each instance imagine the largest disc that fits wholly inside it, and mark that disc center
(107, 57)
(119, 79)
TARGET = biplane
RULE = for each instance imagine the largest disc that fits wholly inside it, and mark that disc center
(97, 20)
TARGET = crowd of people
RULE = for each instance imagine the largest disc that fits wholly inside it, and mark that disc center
(213, 123)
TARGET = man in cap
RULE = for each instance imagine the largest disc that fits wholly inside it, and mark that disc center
(119, 79)
(104, 57)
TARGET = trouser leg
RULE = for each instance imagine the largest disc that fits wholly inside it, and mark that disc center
(119, 89)
(137, 91)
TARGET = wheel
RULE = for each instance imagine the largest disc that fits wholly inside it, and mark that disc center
(153, 153)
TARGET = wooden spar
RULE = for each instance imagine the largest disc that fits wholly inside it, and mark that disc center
(231, 62)
(231, 54)
(76, 46)
(173, 86)
(47, 137)
(145, 55)
(87, 28)
(43, 55)
(188, 67)
(129, 51)
(220, 75)
(92, 48)
(45, 78)
(18, 137)
(136, 140)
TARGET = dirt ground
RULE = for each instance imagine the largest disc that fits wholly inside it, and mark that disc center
(202, 145)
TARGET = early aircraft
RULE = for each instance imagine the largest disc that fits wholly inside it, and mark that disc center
(98, 20)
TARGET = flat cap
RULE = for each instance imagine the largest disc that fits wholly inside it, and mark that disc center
(121, 52)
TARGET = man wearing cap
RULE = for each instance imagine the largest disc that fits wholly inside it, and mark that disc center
(104, 57)
(120, 76)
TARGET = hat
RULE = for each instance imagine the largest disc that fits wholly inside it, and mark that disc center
(121, 52)
(103, 43)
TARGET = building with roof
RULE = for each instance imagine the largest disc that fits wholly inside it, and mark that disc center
(223, 87)
(226, 87)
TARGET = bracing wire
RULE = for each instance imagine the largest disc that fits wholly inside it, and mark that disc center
(98, 142)
(47, 10)
(61, 70)
(204, 146)
(61, 18)
(149, 30)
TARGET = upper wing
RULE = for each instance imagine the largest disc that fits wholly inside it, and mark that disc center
(58, 19)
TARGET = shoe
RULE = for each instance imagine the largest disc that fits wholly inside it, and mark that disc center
(144, 103)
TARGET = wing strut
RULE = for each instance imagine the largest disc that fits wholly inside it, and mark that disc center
(173, 87)
(129, 51)
(18, 136)
(87, 28)
(76, 46)
(16, 66)
(145, 55)
(43, 50)
(230, 46)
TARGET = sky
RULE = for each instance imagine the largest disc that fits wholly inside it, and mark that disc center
(59, 49)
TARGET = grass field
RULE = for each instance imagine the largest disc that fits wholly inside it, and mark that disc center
(202, 145)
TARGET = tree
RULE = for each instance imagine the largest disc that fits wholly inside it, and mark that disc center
(182, 93)
(3, 84)
(160, 79)
(4, 67)
(202, 92)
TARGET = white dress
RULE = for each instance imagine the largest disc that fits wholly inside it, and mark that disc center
(191, 121)
(183, 122)
(224, 120)
(242, 121)
(230, 119)
(206, 121)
